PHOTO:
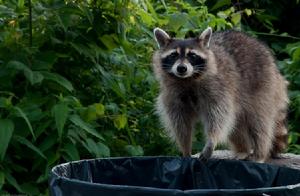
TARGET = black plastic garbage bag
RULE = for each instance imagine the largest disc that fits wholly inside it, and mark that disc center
(172, 176)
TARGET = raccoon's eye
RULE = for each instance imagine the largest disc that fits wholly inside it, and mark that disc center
(195, 59)
(173, 55)
(192, 55)
(169, 60)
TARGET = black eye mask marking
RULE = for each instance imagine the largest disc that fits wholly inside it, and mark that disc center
(197, 62)
(195, 59)
(169, 60)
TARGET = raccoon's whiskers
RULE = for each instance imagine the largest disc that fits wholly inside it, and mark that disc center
(198, 71)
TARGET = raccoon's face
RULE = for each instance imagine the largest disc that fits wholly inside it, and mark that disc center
(182, 58)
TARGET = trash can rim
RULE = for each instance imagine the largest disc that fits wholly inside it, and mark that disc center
(58, 177)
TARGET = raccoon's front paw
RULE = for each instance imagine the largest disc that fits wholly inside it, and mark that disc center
(241, 155)
(203, 157)
(255, 158)
(207, 150)
(206, 153)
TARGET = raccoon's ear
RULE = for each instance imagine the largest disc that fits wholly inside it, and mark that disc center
(205, 37)
(161, 37)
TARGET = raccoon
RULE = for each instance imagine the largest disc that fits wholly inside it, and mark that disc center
(229, 82)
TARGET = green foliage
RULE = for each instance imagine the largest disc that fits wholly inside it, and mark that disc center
(6, 131)
(60, 113)
(82, 86)
(291, 69)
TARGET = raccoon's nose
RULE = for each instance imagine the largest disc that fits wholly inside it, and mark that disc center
(181, 69)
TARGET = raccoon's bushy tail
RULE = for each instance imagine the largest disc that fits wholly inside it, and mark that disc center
(281, 134)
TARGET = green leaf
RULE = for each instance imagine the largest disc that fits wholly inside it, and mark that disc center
(6, 131)
(34, 77)
(65, 18)
(17, 65)
(222, 14)
(52, 157)
(5, 102)
(134, 150)
(103, 150)
(248, 12)
(44, 177)
(236, 18)
(120, 121)
(12, 181)
(93, 112)
(82, 49)
(20, 4)
(48, 142)
(58, 79)
(290, 48)
(85, 126)
(2, 102)
(91, 146)
(220, 3)
(151, 9)
(60, 113)
(177, 21)
(71, 150)
(2, 179)
(110, 41)
(44, 60)
(145, 17)
(89, 114)
(100, 109)
(98, 149)
(88, 13)
(27, 143)
(30, 188)
(23, 115)
(296, 54)
(112, 83)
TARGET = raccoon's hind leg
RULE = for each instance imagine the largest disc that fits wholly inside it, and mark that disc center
(261, 133)
(240, 141)
(280, 140)
(281, 134)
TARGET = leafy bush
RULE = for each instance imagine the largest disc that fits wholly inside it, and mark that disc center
(291, 69)
(78, 84)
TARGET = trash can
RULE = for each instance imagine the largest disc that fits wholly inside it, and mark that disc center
(164, 176)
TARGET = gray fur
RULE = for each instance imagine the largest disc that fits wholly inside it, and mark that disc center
(240, 96)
